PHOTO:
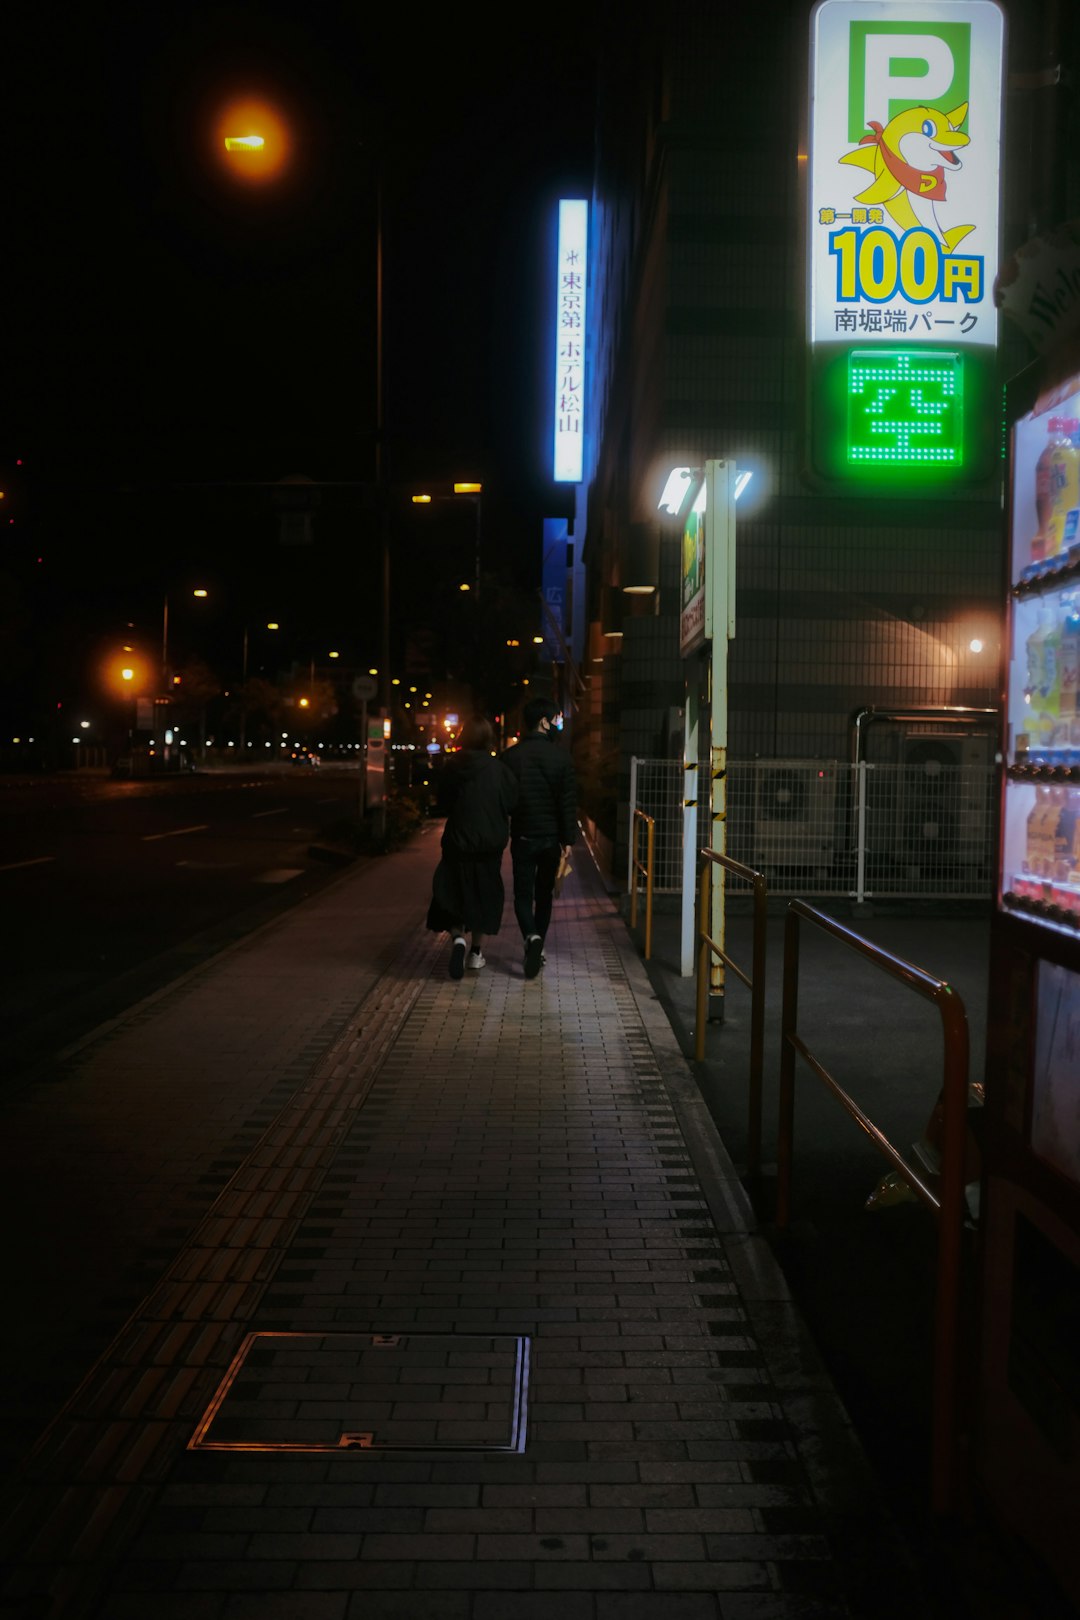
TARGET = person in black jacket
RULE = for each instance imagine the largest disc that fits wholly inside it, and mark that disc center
(478, 794)
(543, 824)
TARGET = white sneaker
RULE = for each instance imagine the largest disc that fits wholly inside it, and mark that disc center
(476, 959)
(534, 948)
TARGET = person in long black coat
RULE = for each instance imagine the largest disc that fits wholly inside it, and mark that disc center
(477, 796)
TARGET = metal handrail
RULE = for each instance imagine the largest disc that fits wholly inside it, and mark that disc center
(646, 870)
(948, 1202)
(755, 983)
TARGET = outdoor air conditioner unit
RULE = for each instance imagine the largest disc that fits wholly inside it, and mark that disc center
(794, 821)
(944, 804)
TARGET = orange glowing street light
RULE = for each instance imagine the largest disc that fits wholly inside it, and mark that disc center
(252, 139)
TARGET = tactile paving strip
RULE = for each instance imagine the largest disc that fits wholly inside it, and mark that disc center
(84, 1484)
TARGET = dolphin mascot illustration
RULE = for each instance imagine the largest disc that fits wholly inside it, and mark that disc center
(908, 158)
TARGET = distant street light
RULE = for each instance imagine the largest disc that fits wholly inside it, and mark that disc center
(471, 491)
(197, 592)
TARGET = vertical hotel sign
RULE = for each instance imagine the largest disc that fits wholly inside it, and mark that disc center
(903, 234)
(570, 341)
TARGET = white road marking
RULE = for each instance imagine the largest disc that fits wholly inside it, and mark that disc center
(177, 832)
(279, 874)
(257, 813)
(38, 860)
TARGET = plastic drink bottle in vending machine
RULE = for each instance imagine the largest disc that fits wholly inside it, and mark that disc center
(1070, 673)
(1034, 861)
(1045, 470)
(1040, 545)
(1064, 472)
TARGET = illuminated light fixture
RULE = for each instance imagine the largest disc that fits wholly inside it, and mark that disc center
(304, 703)
(675, 491)
(976, 645)
(467, 489)
(639, 560)
(273, 625)
(680, 480)
(396, 681)
(252, 139)
(570, 340)
(386, 730)
(463, 586)
(611, 613)
(200, 592)
(538, 641)
(373, 672)
(127, 674)
(421, 500)
(334, 655)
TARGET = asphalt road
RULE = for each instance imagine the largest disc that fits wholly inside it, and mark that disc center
(110, 888)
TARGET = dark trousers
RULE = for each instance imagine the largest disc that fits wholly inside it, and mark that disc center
(536, 861)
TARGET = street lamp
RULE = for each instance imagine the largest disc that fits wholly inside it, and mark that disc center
(252, 139)
(468, 491)
(197, 592)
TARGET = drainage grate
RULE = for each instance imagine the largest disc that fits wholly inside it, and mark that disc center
(370, 1392)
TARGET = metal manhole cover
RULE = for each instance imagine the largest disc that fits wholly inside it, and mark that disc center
(370, 1392)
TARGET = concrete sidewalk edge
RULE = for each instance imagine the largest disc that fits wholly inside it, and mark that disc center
(865, 1535)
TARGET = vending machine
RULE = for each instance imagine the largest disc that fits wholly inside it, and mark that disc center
(1026, 1434)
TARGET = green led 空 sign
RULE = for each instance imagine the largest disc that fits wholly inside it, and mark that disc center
(902, 245)
(905, 408)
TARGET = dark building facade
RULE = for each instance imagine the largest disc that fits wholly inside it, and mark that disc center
(846, 603)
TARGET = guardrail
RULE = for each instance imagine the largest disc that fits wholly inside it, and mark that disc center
(754, 981)
(948, 1203)
(644, 869)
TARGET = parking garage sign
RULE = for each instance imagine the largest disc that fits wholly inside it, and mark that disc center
(902, 231)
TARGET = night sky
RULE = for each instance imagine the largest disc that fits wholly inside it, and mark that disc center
(176, 333)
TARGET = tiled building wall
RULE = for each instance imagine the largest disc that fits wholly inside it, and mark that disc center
(842, 603)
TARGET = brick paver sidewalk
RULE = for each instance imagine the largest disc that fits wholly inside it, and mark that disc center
(479, 1328)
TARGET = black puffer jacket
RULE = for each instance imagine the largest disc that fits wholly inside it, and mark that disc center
(547, 803)
(477, 796)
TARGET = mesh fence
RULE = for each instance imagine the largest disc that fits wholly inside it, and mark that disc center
(820, 827)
